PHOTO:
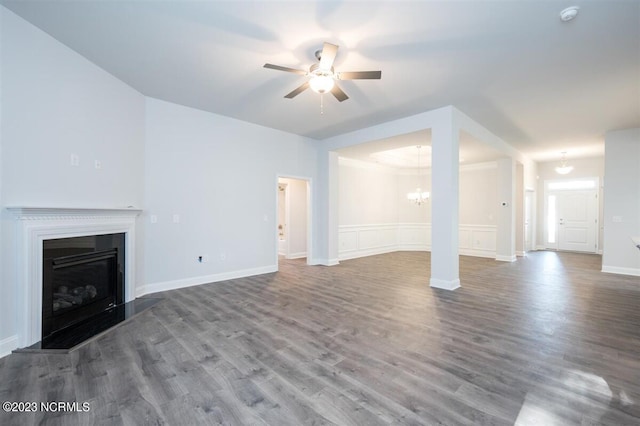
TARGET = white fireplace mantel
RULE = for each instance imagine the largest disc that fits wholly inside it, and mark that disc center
(36, 224)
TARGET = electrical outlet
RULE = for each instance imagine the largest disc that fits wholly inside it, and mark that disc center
(205, 258)
(154, 218)
(223, 256)
(75, 160)
(97, 164)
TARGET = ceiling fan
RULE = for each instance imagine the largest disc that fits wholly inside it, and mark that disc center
(322, 75)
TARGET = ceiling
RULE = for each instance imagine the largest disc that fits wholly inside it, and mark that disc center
(542, 85)
(401, 151)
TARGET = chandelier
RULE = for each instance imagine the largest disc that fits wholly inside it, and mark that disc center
(418, 197)
(563, 169)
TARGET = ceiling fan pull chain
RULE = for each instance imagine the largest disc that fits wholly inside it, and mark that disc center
(322, 104)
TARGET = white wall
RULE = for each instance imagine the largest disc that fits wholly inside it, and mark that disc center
(478, 194)
(297, 216)
(367, 193)
(621, 201)
(220, 176)
(376, 217)
(582, 168)
(55, 103)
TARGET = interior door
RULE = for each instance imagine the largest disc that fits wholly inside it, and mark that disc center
(577, 220)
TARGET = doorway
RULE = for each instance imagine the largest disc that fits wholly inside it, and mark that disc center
(293, 225)
(571, 215)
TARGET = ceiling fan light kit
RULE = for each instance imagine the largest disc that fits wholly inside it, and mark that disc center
(321, 81)
(569, 13)
(322, 77)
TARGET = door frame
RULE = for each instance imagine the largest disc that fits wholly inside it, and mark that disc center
(309, 183)
(285, 229)
(529, 200)
(547, 191)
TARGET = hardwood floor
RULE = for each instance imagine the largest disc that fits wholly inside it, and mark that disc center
(547, 340)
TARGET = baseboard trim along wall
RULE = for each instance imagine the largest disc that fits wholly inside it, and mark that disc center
(507, 258)
(622, 271)
(444, 284)
(324, 262)
(7, 345)
(297, 255)
(205, 279)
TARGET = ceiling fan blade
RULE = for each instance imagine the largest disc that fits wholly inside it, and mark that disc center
(360, 75)
(338, 93)
(328, 55)
(297, 91)
(287, 69)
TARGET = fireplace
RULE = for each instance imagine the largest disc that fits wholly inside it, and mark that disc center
(81, 278)
(35, 226)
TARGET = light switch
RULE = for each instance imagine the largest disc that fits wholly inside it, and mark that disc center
(75, 160)
(616, 219)
(176, 218)
(154, 218)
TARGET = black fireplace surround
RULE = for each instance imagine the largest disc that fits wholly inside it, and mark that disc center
(82, 278)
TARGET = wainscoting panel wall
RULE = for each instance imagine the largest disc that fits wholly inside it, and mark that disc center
(477, 240)
(367, 240)
(414, 237)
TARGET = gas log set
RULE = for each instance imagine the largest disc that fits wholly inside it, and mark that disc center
(64, 297)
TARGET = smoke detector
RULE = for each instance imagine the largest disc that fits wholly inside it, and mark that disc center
(569, 13)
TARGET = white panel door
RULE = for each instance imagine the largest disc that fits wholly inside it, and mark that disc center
(577, 220)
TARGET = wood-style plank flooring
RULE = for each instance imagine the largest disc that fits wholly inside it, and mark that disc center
(547, 340)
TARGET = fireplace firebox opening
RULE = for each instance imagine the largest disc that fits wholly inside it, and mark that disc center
(82, 278)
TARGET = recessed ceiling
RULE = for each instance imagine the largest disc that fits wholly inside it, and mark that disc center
(540, 84)
(401, 151)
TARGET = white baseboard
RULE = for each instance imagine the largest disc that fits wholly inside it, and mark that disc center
(297, 255)
(541, 248)
(324, 262)
(502, 258)
(521, 253)
(622, 271)
(477, 253)
(444, 284)
(367, 252)
(7, 345)
(205, 279)
(413, 247)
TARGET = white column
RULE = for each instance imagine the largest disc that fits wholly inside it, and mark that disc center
(325, 210)
(506, 218)
(444, 209)
(333, 209)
